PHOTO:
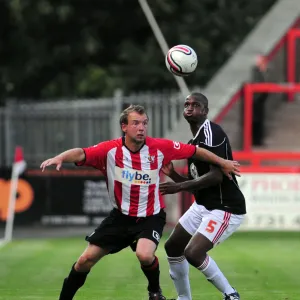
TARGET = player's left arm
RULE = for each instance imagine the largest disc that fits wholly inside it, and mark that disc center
(228, 167)
(211, 178)
(176, 151)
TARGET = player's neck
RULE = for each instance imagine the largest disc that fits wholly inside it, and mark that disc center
(132, 145)
(195, 127)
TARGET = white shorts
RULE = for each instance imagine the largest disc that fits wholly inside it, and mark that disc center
(216, 225)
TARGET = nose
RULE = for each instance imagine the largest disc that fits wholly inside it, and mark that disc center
(141, 127)
(189, 107)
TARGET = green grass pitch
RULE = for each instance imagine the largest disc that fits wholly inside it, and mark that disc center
(262, 266)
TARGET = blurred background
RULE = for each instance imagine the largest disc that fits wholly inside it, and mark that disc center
(68, 68)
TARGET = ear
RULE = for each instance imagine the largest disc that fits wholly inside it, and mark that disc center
(124, 127)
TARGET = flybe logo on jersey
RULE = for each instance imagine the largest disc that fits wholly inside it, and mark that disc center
(138, 177)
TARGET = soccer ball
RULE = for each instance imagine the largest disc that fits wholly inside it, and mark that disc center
(181, 60)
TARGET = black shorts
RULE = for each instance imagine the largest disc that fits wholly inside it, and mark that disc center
(118, 231)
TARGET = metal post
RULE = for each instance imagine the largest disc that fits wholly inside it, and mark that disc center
(248, 107)
(162, 42)
(8, 136)
(117, 109)
(291, 61)
(76, 127)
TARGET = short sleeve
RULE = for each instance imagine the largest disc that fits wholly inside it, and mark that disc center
(173, 150)
(95, 156)
(219, 150)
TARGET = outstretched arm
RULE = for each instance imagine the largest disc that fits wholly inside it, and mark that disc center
(212, 178)
(227, 166)
(72, 156)
(170, 172)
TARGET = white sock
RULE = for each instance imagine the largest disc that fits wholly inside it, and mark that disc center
(213, 274)
(179, 272)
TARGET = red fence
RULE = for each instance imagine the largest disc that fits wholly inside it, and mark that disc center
(252, 88)
(255, 163)
(288, 40)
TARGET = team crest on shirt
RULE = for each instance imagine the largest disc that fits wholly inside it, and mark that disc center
(193, 170)
(151, 158)
(176, 145)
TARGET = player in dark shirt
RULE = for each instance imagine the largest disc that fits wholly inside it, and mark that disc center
(218, 211)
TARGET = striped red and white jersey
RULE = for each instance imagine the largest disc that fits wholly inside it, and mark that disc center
(133, 177)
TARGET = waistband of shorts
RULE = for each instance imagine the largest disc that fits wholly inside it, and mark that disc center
(118, 212)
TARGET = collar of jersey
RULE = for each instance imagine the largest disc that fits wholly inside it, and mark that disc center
(205, 122)
(123, 142)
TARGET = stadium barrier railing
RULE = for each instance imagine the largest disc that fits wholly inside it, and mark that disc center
(272, 191)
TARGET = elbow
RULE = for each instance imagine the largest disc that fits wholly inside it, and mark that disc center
(217, 178)
(80, 155)
(220, 179)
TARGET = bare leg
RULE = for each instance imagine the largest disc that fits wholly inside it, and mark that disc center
(196, 250)
(196, 254)
(91, 255)
(145, 253)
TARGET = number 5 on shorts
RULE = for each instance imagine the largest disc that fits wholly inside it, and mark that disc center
(211, 226)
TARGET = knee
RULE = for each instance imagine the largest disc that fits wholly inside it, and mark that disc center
(84, 263)
(174, 248)
(145, 258)
(168, 247)
(194, 256)
(189, 253)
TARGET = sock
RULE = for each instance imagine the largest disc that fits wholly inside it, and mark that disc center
(152, 274)
(179, 272)
(213, 274)
(72, 283)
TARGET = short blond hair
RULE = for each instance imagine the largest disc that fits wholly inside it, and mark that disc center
(132, 108)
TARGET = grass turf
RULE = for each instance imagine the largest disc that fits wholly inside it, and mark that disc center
(262, 266)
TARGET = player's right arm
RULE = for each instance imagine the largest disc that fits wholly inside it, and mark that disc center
(74, 155)
(169, 170)
(93, 156)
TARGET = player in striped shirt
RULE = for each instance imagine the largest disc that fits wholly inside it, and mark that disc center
(131, 165)
(217, 212)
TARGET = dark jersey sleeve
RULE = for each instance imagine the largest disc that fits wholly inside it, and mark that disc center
(219, 149)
